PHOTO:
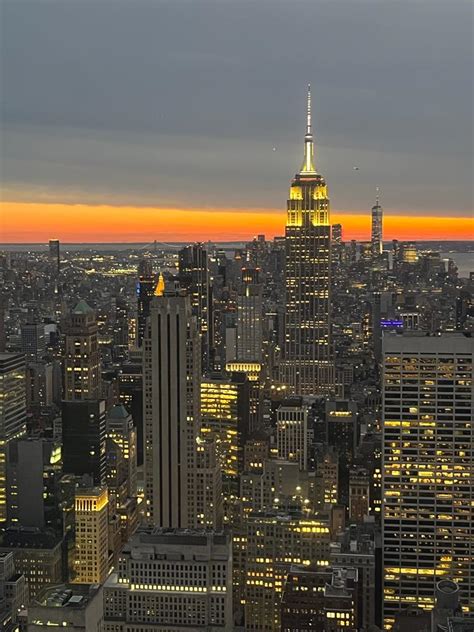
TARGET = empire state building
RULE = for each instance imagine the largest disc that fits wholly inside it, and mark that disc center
(308, 364)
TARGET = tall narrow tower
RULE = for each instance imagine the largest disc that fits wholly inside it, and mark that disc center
(308, 366)
(377, 228)
(171, 375)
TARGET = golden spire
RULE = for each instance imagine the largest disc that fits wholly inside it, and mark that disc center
(160, 286)
(308, 166)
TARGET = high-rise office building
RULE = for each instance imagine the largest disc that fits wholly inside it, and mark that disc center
(337, 233)
(145, 292)
(224, 416)
(249, 317)
(320, 600)
(54, 254)
(34, 471)
(84, 439)
(33, 341)
(308, 364)
(13, 593)
(171, 579)
(377, 229)
(171, 378)
(83, 413)
(12, 415)
(274, 542)
(292, 432)
(81, 359)
(342, 432)
(194, 277)
(428, 468)
(91, 555)
(38, 556)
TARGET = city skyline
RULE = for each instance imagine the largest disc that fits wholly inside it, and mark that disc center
(106, 164)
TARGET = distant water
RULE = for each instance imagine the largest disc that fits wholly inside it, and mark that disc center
(463, 260)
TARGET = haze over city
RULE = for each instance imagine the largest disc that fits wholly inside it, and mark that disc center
(134, 121)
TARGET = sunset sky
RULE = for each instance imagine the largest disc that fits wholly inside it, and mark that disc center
(181, 120)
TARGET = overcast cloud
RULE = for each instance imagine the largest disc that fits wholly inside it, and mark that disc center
(182, 102)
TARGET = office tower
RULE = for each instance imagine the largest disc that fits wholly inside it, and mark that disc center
(54, 254)
(254, 372)
(13, 593)
(33, 341)
(274, 542)
(84, 439)
(327, 473)
(209, 498)
(39, 384)
(38, 556)
(194, 277)
(428, 468)
(224, 416)
(121, 470)
(337, 233)
(171, 378)
(359, 494)
(308, 366)
(171, 579)
(360, 547)
(121, 431)
(34, 470)
(12, 415)
(131, 396)
(278, 484)
(91, 555)
(342, 434)
(377, 229)
(249, 317)
(83, 413)
(145, 291)
(69, 607)
(292, 432)
(81, 359)
(320, 600)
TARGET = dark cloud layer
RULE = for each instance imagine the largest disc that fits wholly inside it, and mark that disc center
(181, 102)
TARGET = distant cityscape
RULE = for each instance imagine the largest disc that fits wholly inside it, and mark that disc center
(265, 436)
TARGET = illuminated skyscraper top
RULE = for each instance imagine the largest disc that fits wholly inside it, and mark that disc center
(307, 366)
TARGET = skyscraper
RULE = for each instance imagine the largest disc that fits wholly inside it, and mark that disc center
(81, 360)
(249, 317)
(33, 341)
(292, 432)
(377, 229)
(171, 372)
(12, 415)
(83, 413)
(91, 561)
(428, 468)
(308, 366)
(54, 254)
(194, 277)
(145, 291)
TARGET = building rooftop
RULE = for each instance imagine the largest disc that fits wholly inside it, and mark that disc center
(67, 596)
(118, 412)
(82, 308)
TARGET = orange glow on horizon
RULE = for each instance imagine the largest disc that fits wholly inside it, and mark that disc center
(37, 222)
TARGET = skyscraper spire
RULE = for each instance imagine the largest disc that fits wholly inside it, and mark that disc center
(308, 166)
